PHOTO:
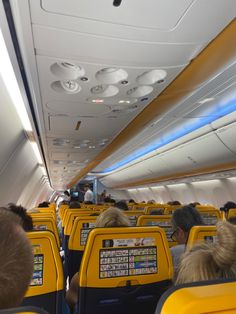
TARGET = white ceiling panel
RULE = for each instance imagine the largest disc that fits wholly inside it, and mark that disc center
(66, 44)
(92, 62)
(214, 16)
(161, 18)
(227, 135)
(67, 125)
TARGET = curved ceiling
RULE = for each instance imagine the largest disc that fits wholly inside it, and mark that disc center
(92, 70)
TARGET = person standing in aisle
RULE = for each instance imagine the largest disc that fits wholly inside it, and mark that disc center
(88, 196)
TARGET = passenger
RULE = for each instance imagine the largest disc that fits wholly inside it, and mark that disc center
(183, 219)
(227, 206)
(27, 222)
(132, 201)
(156, 212)
(209, 261)
(122, 205)
(103, 196)
(88, 196)
(194, 204)
(43, 204)
(110, 218)
(74, 204)
(172, 203)
(16, 260)
(66, 198)
(151, 202)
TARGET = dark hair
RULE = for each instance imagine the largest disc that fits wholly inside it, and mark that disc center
(122, 205)
(227, 206)
(194, 204)
(66, 193)
(156, 211)
(27, 222)
(185, 218)
(174, 203)
(43, 204)
(74, 204)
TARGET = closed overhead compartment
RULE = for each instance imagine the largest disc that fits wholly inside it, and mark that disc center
(227, 135)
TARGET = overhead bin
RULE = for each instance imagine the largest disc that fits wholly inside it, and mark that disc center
(208, 150)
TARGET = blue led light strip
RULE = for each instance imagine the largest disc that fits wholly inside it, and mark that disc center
(180, 132)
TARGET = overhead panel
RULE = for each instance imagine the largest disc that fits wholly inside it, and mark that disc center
(205, 151)
(163, 18)
(227, 136)
(99, 65)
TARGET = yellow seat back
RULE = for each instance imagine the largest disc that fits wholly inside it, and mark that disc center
(199, 298)
(133, 216)
(201, 234)
(149, 209)
(163, 221)
(71, 216)
(80, 231)
(42, 215)
(46, 288)
(169, 209)
(210, 217)
(232, 212)
(124, 270)
(49, 224)
(24, 310)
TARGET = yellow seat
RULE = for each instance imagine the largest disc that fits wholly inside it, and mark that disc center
(206, 207)
(163, 221)
(212, 297)
(46, 224)
(124, 270)
(150, 209)
(200, 234)
(46, 288)
(232, 212)
(169, 209)
(133, 216)
(42, 215)
(24, 310)
(77, 241)
(61, 210)
(210, 217)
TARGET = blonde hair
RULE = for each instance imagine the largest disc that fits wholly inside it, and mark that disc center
(112, 217)
(209, 261)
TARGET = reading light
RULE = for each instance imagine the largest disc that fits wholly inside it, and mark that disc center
(11, 84)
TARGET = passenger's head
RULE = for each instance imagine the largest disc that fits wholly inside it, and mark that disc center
(27, 222)
(156, 212)
(208, 261)
(227, 206)
(16, 260)
(173, 203)
(151, 202)
(66, 193)
(44, 204)
(87, 187)
(194, 204)
(183, 219)
(74, 204)
(112, 217)
(122, 205)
